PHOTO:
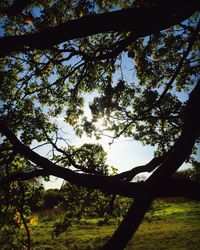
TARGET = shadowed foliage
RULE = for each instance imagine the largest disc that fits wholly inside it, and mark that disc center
(54, 56)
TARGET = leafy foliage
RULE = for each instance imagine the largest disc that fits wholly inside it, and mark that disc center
(44, 81)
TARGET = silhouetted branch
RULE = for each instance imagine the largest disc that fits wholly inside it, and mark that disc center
(68, 156)
(22, 176)
(170, 188)
(160, 178)
(180, 64)
(183, 146)
(149, 167)
(159, 17)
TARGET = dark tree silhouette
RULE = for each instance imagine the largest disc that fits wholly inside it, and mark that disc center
(53, 54)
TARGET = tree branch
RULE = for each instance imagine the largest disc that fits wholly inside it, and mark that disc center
(68, 155)
(154, 163)
(104, 183)
(185, 143)
(172, 187)
(160, 178)
(180, 64)
(159, 17)
(22, 176)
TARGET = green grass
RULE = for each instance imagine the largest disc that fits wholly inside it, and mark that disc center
(167, 225)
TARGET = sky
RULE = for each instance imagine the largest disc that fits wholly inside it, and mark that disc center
(124, 153)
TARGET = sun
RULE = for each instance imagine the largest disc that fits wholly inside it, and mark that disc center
(104, 135)
(100, 124)
(102, 128)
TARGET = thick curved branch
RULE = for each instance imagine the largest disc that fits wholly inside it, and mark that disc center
(172, 187)
(22, 176)
(105, 183)
(145, 193)
(154, 163)
(185, 143)
(142, 21)
(181, 150)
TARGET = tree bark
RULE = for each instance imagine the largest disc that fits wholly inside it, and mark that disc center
(129, 225)
(181, 151)
(141, 21)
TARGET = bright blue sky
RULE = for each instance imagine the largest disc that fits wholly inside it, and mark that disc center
(123, 153)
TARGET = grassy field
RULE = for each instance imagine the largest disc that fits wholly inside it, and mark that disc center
(167, 225)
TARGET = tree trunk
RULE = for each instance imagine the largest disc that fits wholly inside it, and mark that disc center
(129, 225)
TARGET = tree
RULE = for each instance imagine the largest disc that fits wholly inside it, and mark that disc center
(55, 53)
(79, 202)
(191, 173)
(52, 198)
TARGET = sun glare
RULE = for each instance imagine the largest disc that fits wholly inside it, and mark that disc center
(105, 134)
(100, 124)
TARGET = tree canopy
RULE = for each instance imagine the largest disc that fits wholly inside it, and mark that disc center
(54, 54)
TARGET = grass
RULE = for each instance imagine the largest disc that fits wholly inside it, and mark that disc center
(167, 225)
